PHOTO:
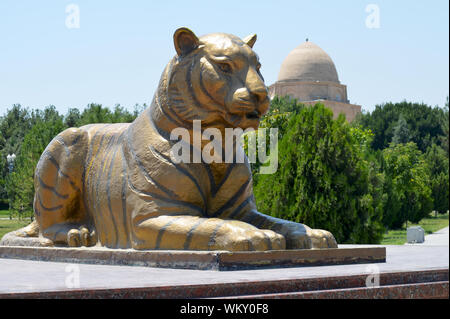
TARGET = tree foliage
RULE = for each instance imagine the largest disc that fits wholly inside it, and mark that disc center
(281, 108)
(407, 183)
(401, 131)
(323, 178)
(437, 161)
(444, 124)
(13, 126)
(424, 123)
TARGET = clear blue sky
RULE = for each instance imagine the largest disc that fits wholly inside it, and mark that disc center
(118, 53)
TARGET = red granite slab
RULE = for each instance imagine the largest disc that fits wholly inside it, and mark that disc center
(429, 284)
(433, 290)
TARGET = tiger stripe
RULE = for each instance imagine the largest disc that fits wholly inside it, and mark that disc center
(161, 232)
(47, 155)
(92, 157)
(60, 140)
(124, 199)
(231, 202)
(190, 233)
(212, 238)
(144, 171)
(190, 176)
(205, 91)
(50, 209)
(108, 190)
(147, 196)
(96, 179)
(51, 188)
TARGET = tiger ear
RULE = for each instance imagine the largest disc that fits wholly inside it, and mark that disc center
(185, 41)
(250, 40)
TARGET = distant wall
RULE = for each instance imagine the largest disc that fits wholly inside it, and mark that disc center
(332, 95)
(350, 110)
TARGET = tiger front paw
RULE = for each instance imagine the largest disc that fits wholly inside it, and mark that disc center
(322, 239)
(249, 238)
(299, 236)
(81, 237)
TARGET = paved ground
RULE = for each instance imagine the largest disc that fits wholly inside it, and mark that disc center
(28, 276)
(438, 238)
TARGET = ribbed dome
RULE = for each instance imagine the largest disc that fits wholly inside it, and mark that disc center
(308, 62)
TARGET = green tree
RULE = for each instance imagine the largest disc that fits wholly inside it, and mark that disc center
(324, 179)
(72, 117)
(94, 113)
(401, 131)
(13, 126)
(407, 183)
(424, 123)
(445, 133)
(437, 161)
(20, 183)
(281, 108)
(121, 115)
(284, 104)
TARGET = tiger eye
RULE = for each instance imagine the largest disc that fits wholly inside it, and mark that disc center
(225, 67)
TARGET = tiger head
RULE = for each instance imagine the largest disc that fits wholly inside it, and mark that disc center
(216, 79)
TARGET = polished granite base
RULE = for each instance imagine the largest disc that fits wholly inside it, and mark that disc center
(410, 271)
(392, 285)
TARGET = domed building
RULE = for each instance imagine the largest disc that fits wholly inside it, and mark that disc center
(309, 75)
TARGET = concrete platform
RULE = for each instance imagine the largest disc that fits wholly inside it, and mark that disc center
(409, 272)
(202, 260)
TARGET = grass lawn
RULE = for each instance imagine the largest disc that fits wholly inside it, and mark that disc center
(7, 225)
(4, 213)
(429, 224)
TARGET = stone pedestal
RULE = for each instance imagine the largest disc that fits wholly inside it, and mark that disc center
(201, 260)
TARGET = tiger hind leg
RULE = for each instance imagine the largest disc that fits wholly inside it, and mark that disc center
(58, 203)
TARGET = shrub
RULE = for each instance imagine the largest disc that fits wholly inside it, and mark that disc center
(324, 179)
(407, 183)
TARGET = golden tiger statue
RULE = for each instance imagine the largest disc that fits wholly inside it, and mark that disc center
(116, 185)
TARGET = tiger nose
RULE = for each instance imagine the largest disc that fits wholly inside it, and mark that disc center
(260, 94)
(256, 86)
